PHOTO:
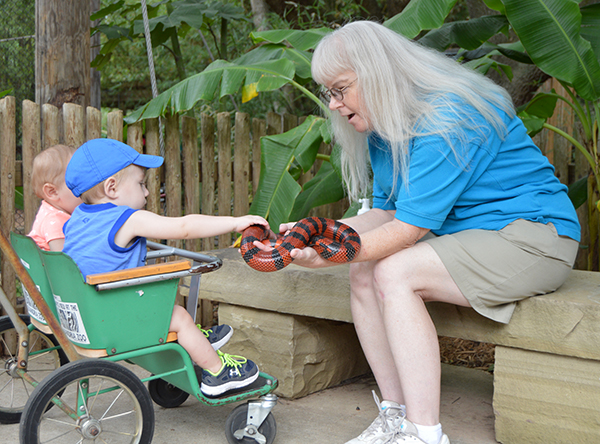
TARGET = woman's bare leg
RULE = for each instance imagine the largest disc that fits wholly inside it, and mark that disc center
(395, 329)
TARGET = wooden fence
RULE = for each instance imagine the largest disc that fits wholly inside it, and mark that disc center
(212, 166)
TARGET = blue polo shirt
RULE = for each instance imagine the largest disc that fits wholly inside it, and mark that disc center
(495, 182)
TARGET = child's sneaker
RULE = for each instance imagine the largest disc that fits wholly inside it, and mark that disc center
(218, 335)
(236, 372)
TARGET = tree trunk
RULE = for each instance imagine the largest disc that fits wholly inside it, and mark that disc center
(62, 58)
(259, 14)
(95, 96)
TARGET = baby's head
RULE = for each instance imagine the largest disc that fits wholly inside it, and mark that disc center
(100, 159)
(49, 166)
(48, 177)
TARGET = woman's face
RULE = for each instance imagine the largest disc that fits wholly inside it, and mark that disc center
(350, 105)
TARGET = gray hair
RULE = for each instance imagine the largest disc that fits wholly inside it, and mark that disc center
(403, 86)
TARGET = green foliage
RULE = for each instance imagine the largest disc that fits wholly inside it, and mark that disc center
(279, 190)
(558, 36)
(185, 34)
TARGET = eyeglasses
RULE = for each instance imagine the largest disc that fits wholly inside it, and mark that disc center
(336, 93)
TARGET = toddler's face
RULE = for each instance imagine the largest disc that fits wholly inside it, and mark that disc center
(132, 188)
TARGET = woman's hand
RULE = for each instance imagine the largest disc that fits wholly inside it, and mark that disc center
(305, 257)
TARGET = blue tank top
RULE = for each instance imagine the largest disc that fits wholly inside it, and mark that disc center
(90, 239)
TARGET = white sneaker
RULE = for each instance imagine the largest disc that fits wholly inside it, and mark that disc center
(409, 435)
(383, 428)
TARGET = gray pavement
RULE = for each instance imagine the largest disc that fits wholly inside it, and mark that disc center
(331, 416)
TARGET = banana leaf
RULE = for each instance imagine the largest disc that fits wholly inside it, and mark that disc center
(277, 193)
(302, 40)
(221, 78)
(326, 187)
(590, 26)
(420, 15)
(550, 31)
(467, 34)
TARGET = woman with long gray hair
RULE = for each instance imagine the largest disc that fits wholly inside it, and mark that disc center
(466, 210)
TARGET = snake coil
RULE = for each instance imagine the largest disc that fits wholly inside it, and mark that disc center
(332, 240)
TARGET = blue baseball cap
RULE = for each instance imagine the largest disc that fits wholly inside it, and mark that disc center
(98, 159)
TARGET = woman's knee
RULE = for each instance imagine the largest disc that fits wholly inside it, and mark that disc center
(361, 274)
(393, 270)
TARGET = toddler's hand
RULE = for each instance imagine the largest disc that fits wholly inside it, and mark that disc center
(243, 222)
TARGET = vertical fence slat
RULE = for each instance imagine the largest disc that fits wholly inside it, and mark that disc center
(114, 125)
(93, 123)
(224, 171)
(241, 164)
(173, 171)
(8, 148)
(274, 124)
(191, 181)
(259, 129)
(289, 121)
(51, 124)
(153, 175)
(32, 146)
(135, 136)
(73, 124)
(208, 171)
(191, 173)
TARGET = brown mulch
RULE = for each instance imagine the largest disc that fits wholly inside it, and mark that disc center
(472, 354)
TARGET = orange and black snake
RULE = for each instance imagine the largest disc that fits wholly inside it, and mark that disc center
(332, 240)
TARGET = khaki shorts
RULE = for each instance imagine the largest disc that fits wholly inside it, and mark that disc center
(495, 269)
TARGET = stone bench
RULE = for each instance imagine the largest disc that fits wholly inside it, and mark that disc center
(296, 324)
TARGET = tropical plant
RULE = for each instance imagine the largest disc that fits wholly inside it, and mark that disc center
(559, 36)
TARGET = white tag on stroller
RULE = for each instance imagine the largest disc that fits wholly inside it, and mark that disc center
(70, 321)
(32, 308)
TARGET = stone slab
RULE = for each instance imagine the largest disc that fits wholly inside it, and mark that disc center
(305, 354)
(566, 322)
(545, 398)
(322, 293)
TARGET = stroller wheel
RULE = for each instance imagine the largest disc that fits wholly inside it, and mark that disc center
(98, 401)
(238, 431)
(166, 394)
(44, 358)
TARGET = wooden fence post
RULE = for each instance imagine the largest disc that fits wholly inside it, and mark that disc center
(153, 177)
(93, 123)
(135, 136)
(73, 124)
(241, 164)
(259, 129)
(114, 125)
(274, 125)
(173, 171)
(8, 148)
(191, 174)
(208, 171)
(51, 124)
(32, 146)
(224, 171)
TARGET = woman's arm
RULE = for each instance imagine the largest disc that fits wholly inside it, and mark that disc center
(381, 235)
